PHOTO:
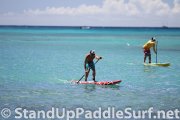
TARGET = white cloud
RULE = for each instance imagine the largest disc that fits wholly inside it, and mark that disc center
(152, 7)
(82, 9)
(108, 7)
(176, 8)
(114, 7)
(110, 12)
(120, 7)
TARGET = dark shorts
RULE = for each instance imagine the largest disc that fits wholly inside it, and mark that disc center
(90, 65)
(147, 52)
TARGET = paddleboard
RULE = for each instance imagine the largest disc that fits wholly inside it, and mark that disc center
(157, 64)
(100, 82)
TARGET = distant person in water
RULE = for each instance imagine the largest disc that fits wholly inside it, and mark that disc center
(89, 64)
(147, 53)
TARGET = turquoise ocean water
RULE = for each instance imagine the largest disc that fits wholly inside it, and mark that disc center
(38, 63)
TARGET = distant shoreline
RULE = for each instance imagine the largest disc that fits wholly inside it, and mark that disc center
(84, 27)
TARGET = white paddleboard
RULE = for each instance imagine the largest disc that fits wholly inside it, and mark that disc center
(157, 64)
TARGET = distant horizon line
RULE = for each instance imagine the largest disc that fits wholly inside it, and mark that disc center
(88, 27)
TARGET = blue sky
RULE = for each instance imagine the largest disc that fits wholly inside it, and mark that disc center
(90, 12)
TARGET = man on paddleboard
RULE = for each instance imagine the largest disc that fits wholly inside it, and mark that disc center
(89, 64)
(150, 44)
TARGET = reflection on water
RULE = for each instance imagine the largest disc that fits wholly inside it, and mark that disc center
(149, 68)
(91, 87)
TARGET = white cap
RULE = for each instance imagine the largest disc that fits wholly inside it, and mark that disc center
(153, 38)
(92, 51)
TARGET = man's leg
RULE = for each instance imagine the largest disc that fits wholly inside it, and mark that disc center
(145, 55)
(86, 74)
(94, 75)
(149, 58)
(145, 58)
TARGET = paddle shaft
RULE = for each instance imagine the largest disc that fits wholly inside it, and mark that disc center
(88, 70)
(156, 50)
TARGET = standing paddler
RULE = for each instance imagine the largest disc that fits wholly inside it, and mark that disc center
(89, 64)
(147, 46)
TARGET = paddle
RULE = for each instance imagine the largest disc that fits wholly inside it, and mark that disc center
(88, 70)
(156, 51)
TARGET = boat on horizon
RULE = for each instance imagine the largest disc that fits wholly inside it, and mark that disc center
(85, 27)
(165, 26)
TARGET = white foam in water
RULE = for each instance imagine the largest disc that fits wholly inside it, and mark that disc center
(63, 81)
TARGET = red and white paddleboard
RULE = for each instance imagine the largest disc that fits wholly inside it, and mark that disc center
(100, 82)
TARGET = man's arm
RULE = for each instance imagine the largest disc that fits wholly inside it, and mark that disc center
(85, 61)
(154, 48)
(98, 57)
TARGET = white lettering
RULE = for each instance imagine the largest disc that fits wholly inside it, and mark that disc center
(70, 114)
(144, 112)
(177, 113)
(97, 113)
(32, 114)
(119, 114)
(170, 114)
(128, 112)
(41, 114)
(58, 113)
(88, 114)
(137, 115)
(150, 111)
(19, 114)
(79, 111)
(107, 113)
(50, 114)
(113, 113)
(161, 114)
(25, 113)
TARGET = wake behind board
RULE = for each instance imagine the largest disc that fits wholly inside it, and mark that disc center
(100, 82)
(157, 64)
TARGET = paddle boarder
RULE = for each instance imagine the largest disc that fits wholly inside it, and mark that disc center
(89, 64)
(147, 46)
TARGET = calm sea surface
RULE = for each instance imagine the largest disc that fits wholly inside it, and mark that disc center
(38, 63)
